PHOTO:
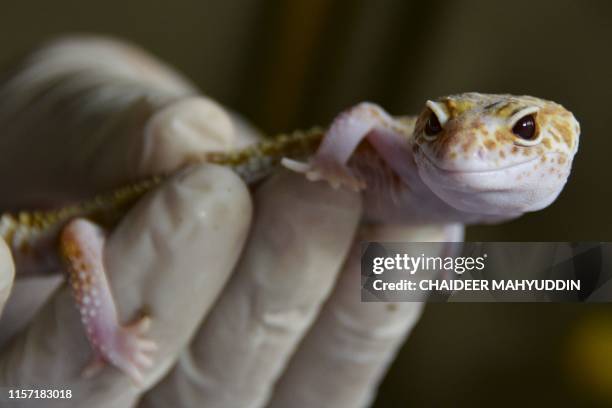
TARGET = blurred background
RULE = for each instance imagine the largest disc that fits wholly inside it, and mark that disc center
(292, 64)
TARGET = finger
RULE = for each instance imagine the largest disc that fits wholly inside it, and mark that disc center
(83, 115)
(301, 233)
(26, 297)
(181, 131)
(343, 357)
(170, 257)
(7, 274)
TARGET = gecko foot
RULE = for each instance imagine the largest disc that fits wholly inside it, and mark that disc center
(336, 175)
(127, 348)
(131, 349)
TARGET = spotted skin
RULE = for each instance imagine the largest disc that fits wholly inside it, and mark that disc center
(477, 164)
(82, 247)
(481, 125)
(474, 170)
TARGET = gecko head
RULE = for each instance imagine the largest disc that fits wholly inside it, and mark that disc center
(495, 154)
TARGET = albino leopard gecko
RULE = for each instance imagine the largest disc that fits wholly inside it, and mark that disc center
(467, 158)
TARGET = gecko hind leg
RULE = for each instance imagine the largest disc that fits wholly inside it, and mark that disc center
(123, 346)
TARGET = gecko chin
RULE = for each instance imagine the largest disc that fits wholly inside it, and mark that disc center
(523, 187)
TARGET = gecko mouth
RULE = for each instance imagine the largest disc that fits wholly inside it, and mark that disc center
(491, 170)
(520, 187)
(510, 177)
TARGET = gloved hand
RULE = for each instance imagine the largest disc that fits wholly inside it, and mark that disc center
(278, 321)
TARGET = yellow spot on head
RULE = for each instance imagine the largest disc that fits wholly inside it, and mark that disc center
(501, 136)
(566, 133)
(457, 107)
(490, 144)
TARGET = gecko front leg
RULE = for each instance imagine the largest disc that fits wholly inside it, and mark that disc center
(348, 130)
(125, 347)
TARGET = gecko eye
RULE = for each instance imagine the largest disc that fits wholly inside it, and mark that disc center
(432, 127)
(525, 128)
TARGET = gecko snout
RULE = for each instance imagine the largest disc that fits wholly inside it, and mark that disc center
(470, 147)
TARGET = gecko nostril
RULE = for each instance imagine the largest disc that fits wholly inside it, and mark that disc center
(481, 152)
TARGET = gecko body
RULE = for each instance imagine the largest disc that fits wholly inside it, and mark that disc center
(465, 159)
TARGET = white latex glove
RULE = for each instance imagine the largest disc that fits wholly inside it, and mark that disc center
(84, 115)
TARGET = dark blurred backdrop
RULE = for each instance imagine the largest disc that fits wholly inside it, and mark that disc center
(289, 64)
